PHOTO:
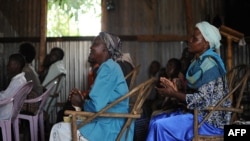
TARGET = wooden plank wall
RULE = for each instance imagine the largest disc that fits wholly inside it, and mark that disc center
(150, 30)
(21, 18)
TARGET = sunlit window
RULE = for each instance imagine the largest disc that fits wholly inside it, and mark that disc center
(73, 18)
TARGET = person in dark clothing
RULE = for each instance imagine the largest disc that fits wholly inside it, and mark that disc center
(126, 65)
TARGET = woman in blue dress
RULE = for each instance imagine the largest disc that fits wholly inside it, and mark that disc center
(206, 76)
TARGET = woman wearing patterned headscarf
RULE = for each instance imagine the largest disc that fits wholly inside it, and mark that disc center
(205, 76)
(113, 43)
(108, 86)
(114, 46)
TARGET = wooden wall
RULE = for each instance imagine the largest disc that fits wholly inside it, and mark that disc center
(150, 30)
(158, 27)
(21, 18)
(169, 21)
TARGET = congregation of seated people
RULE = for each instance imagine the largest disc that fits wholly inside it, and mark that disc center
(168, 106)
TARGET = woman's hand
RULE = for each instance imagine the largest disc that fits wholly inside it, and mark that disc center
(169, 87)
(74, 91)
(76, 97)
(77, 100)
(167, 83)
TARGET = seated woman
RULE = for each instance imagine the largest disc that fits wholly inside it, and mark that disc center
(109, 85)
(206, 75)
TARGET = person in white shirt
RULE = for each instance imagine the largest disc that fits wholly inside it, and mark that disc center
(53, 66)
(15, 66)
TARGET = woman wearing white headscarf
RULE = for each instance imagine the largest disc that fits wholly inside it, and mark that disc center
(205, 76)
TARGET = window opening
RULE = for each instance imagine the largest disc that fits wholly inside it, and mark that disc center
(73, 18)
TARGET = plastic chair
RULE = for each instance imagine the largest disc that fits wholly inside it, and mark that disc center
(36, 120)
(18, 100)
(57, 80)
(51, 103)
(141, 91)
(238, 78)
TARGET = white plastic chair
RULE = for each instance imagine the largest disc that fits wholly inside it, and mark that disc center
(36, 120)
(18, 100)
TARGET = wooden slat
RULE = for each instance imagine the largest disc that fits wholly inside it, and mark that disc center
(189, 16)
(89, 114)
(43, 30)
(139, 38)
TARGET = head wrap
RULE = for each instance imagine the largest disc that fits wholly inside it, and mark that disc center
(113, 44)
(126, 57)
(211, 35)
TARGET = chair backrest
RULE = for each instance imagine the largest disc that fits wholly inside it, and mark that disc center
(238, 78)
(132, 76)
(235, 74)
(19, 97)
(141, 91)
(238, 88)
(41, 99)
(57, 79)
(55, 92)
(235, 94)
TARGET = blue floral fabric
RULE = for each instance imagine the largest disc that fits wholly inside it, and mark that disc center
(208, 95)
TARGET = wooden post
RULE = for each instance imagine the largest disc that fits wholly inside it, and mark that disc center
(231, 35)
(229, 53)
(43, 31)
(189, 17)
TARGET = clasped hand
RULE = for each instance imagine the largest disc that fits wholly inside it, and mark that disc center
(76, 97)
(169, 87)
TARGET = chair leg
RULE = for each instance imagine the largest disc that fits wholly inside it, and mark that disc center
(41, 126)
(32, 129)
(15, 126)
(6, 132)
(4, 135)
(35, 128)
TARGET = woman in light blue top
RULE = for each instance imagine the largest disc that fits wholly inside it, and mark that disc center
(108, 86)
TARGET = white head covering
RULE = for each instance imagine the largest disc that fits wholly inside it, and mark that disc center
(127, 57)
(211, 35)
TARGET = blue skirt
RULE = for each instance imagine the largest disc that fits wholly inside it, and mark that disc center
(177, 126)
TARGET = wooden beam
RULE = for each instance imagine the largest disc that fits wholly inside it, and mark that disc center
(189, 17)
(43, 27)
(229, 53)
(139, 38)
(160, 38)
(231, 35)
(227, 31)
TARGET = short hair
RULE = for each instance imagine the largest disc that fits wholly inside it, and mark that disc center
(19, 58)
(176, 62)
(28, 51)
(58, 51)
(156, 63)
